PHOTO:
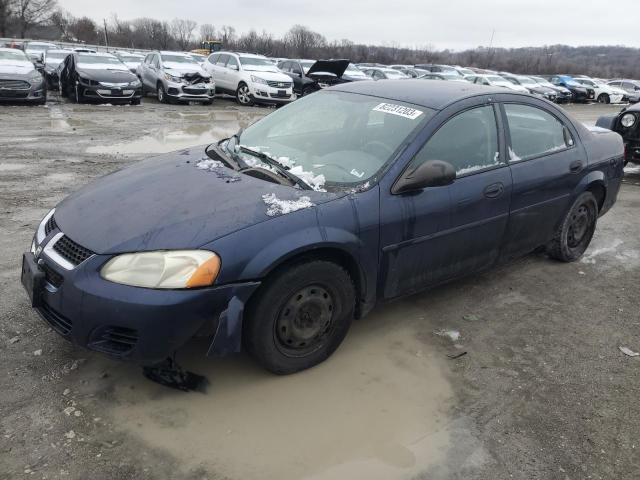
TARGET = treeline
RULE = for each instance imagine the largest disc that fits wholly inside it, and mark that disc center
(43, 19)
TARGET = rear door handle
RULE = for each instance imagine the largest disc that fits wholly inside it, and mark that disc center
(575, 167)
(494, 190)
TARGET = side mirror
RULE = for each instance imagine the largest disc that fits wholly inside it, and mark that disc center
(432, 173)
(233, 67)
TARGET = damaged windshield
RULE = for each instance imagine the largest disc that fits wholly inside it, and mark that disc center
(332, 139)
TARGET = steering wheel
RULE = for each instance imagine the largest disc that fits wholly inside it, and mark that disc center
(374, 146)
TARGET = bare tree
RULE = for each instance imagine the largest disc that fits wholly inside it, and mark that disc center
(31, 13)
(228, 35)
(182, 30)
(207, 32)
(303, 41)
(6, 10)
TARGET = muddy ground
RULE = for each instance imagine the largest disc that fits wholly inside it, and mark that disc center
(543, 391)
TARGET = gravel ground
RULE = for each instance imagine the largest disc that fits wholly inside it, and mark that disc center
(542, 392)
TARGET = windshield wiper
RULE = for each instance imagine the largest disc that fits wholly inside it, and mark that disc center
(284, 171)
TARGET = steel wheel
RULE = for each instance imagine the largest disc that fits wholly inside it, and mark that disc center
(305, 321)
(161, 94)
(579, 225)
(243, 94)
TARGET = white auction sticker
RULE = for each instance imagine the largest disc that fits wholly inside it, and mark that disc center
(399, 110)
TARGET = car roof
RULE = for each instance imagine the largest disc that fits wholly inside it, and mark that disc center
(436, 95)
(97, 54)
(7, 49)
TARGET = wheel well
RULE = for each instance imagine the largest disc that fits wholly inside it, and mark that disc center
(334, 255)
(598, 191)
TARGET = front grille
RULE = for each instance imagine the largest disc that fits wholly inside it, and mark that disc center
(51, 276)
(194, 90)
(273, 84)
(58, 322)
(50, 226)
(13, 94)
(15, 84)
(71, 251)
(279, 95)
(113, 340)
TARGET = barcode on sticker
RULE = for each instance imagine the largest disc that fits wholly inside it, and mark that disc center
(400, 110)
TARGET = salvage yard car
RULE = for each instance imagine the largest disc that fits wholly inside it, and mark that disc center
(176, 77)
(275, 239)
(603, 93)
(627, 124)
(579, 93)
(250, 78)
(310, 76)
(98, 77)
(384, 73)
(52, 60)
(19, 79)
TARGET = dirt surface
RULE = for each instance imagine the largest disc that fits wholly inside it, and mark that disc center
(542, 392)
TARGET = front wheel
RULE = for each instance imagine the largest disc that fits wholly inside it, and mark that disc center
(162, 94)
(299, 316)
(604, 98)
(574, 234)
(77, 96)
(243, 95)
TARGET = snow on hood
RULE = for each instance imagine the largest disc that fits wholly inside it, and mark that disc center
(102, 66)
(16, 66)
(277, 206)
(182, 68)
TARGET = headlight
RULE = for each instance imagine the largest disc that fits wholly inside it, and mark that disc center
(163, 269)
(627, 120)
(40, 233)
(171, 78)
(255, 79)
(135, 83)
(35, 78)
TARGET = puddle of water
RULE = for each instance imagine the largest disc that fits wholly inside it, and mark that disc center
(210, 127)
(374, 410)
(10, 167)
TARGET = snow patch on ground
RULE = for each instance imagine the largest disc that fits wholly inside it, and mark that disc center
(590, 256)
(453, 335)
(282, 207)
(632, 169)
(209, 165)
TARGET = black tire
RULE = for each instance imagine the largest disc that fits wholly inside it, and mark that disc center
(242, 95)
(574, 234)
(162, 94)
(299, 316)
(604, 98)
(135, 101)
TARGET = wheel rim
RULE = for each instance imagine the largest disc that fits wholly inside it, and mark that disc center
(305, 322)
(160, 93)
(243, 94)
(580, 227)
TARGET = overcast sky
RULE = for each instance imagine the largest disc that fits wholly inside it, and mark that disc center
(454, 24)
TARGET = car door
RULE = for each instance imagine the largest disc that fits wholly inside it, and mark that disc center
(209, 64)
(546, 159)
(297, 76)
(233, 74)
(440, 233)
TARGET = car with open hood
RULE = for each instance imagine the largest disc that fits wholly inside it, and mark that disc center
(627, 124)
(176, 77)
(52, 60)
(250, 78)
(311, 75)
(19, 79)
(275, 239)
(98, 77)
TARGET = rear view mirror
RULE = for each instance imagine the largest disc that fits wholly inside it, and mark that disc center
(233, 67)
(432, 173)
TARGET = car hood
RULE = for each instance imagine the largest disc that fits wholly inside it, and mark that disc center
(107, 75)
(13, 67)
(335, 67)
(179, 69)
(272, 76)
(167, 202)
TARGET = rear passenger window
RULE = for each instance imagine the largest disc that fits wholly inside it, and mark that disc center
(469, 142)
(222, 60)
(213, 58)
(535, 132)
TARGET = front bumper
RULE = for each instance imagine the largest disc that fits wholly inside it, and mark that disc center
(198, 92)
(111, 94)
(141, 325)
(261, 93)
(31, 93)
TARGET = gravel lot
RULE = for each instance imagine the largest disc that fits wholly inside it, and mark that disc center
(543, 392)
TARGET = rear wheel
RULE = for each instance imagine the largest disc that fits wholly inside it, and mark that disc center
(604, 98)
(574, 235)
(243, 95)
(300, 316)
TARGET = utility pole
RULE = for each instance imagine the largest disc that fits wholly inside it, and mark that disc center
(489, 56)
(106, 35)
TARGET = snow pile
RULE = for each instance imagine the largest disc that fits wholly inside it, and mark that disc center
(453, 335)
(314, 181)
(282, 207)
(209, 164)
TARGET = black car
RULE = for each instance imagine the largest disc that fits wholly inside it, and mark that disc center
(579, 93)
(98, 77)
(310, 76)
(52, 60)
(627, 124)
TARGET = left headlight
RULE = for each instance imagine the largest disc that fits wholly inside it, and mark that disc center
(135, 84)
(255, 79)
(627, 120)
(172, 78)
(163, 269)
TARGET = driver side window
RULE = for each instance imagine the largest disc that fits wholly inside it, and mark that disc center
(468, 141)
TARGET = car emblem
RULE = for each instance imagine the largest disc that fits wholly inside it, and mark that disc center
(38, 251)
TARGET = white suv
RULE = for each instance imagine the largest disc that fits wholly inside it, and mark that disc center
(251, 78)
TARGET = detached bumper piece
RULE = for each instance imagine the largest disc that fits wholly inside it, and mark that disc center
(172, 375)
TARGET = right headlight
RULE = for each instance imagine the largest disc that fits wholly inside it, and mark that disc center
(166, 269)
(627, 120)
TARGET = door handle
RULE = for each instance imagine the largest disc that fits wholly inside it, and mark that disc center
(494, 190)
(575, 167)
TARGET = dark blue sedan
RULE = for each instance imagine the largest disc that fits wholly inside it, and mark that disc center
(275, 239)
